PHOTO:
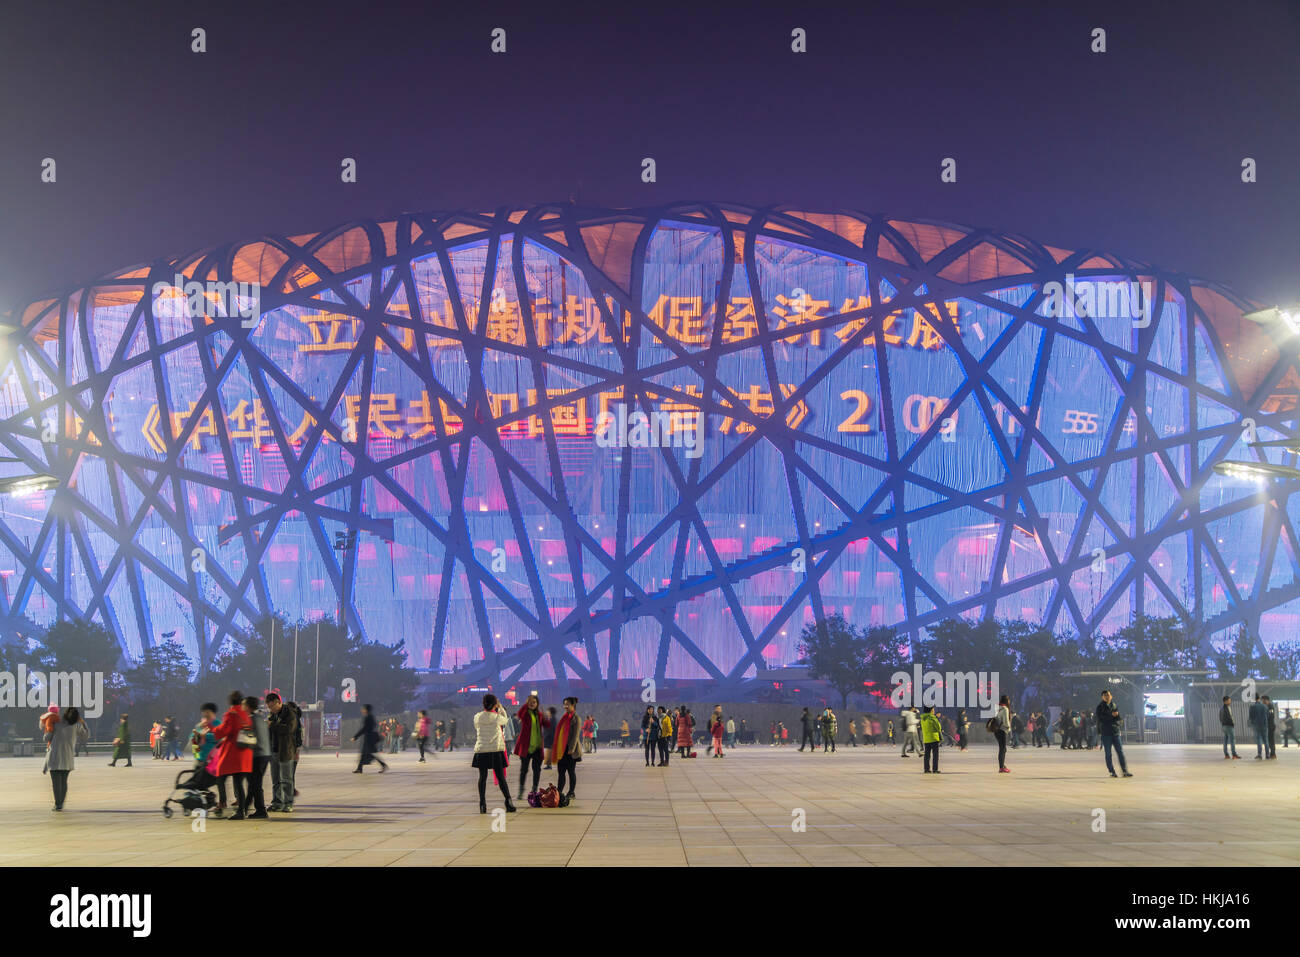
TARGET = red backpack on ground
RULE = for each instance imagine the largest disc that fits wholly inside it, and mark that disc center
(549, 797)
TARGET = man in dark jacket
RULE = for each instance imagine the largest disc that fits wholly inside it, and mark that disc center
(283, 724)
(1229, 730)
(1108, 723)
(1271, 741)
(370, 738)
(806, 734)
(1258, 715)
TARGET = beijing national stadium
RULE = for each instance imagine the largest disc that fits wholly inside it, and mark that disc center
(610, 444)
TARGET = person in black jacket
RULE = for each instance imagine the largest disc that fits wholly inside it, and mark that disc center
(1108, 719)
(806, 735)
(370, 738)
(1271, 742)
(1229, 731)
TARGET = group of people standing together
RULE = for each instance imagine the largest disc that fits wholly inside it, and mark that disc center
(540, 736)
(663, 731)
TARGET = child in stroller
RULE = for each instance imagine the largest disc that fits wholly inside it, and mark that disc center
(195, 784)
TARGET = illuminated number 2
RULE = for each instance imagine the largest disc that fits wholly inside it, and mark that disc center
(854, 422)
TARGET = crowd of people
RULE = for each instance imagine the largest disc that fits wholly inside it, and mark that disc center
(233, 752)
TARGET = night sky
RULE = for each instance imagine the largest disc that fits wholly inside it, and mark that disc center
(1136, 151)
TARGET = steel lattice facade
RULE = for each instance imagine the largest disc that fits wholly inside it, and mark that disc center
(898, 424)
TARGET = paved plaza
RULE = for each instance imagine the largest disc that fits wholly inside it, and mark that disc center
(863, 806)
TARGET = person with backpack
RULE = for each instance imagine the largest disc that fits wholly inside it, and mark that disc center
(931, 734)
(285, 729)
(1000, 726)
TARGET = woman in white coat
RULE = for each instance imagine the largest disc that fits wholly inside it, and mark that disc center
(490, 750)
(59, 760)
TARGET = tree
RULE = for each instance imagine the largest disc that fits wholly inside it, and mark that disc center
(1286, 660)
(161, 681)
(83, 646)
(837, 653)
(1154, 645)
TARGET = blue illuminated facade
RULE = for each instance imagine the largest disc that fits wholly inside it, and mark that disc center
(901, 421)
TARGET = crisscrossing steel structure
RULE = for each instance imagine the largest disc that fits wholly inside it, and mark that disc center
(897, 424)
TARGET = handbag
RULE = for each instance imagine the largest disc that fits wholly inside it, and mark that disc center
(549, 797)
(247, 738)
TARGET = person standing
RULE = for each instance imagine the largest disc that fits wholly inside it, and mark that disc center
(829, 728)
(548, 737)
(451, 735)
(1271, 740)
(283, 727)
(530, 746)
(1288, 728)
(716, 729)
(566, 752)
(665, 736)
(490, 750)
(439, 736)
(122, 744)
(963, 729)
(509, 732)
(650, 735)
(422, 734)
(731, 734)
(261, 758)
(60, 760)
(624, 734)
(806, 730)
(853, 734)
(231, 758)
(1001, 728)
(1108, 723)
(1258, 716)
(685, 731)
(1229, 730)
(370, 740)
(931, 735)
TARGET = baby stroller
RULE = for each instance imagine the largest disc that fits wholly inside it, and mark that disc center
(194, 792)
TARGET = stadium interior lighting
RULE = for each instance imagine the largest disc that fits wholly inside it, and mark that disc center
(1256, 470)
(27, 484)
(1289, 316)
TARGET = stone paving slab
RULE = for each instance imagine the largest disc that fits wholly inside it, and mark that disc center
(862, 807)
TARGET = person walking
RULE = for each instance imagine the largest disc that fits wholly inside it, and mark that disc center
(451, 735)
(931, 735)
(566, 752)
(490, 750)
(60, 759)
(1108, 724)
(1258, 717)
(261, 758)
(1000, 725)
(122, 744)
(853, 734)
(806, 730)
(530, 746)
(233, 758)
(911, 731)
(371, 740)
(422, 734)
(1229, 730)
(283, 727)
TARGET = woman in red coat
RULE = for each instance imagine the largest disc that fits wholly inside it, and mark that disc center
(530, 744)
(229, 757)
(685, 732)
